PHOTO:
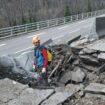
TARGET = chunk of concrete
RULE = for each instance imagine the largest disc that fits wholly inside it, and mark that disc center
(31, 97)
(14, 93)
(101, 68)
(89, 68)
(62, 95)
(74, 39)
(7, 62)
(74, 87)
(98, 45)
(10, 91)
(25, 60)
(77, 76)
(87, 51)
(101, 56)
(79, 42)
(66, 77)
(95, 88)
(89, 60)
(57, 98)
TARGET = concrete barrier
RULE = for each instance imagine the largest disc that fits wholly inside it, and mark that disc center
(100, 26)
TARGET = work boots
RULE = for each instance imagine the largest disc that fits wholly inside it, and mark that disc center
(42, 81)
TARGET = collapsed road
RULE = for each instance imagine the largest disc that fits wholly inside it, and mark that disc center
(77, 74)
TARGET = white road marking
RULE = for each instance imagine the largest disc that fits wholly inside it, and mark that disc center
(74, 31)
(2, 45)
(62, 27)
(58, 37)
(36, 34)
(80, 29)
(84, 21)
(23, 50)
(86, 26)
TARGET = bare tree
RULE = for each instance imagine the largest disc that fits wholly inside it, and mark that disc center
(15, 12)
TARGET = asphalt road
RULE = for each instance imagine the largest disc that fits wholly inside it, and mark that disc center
(17, 44)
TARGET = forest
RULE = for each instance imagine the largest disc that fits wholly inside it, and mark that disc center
(17, 12)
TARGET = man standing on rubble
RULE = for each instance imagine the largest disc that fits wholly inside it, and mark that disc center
(41, 61)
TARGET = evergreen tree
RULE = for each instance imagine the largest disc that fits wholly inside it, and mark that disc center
(89, 9)
(67, 11)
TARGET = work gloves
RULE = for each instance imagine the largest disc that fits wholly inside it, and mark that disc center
(43, 70)
(33, 67)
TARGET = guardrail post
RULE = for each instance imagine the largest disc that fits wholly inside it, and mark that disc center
(11, 31)
(64, 19)
(37, 25)
(91, 14)
(77, 17)
(103, 11)
(56, 21)
(95, 13)
(82, 16)
(71, 18)
(87, 14)
(26, 28)
(48, 23)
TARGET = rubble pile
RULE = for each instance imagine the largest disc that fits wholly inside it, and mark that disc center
(77, 65)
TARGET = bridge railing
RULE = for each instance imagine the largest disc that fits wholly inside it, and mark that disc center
(26, 28)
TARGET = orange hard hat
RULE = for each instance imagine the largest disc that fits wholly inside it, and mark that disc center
(35, 39)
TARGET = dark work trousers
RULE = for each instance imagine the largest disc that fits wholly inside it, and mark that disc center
(43, 76)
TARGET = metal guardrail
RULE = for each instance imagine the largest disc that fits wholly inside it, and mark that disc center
(26, 28)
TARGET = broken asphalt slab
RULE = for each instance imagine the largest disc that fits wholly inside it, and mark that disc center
(14, 93)
(95, 88)
(62, 95)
